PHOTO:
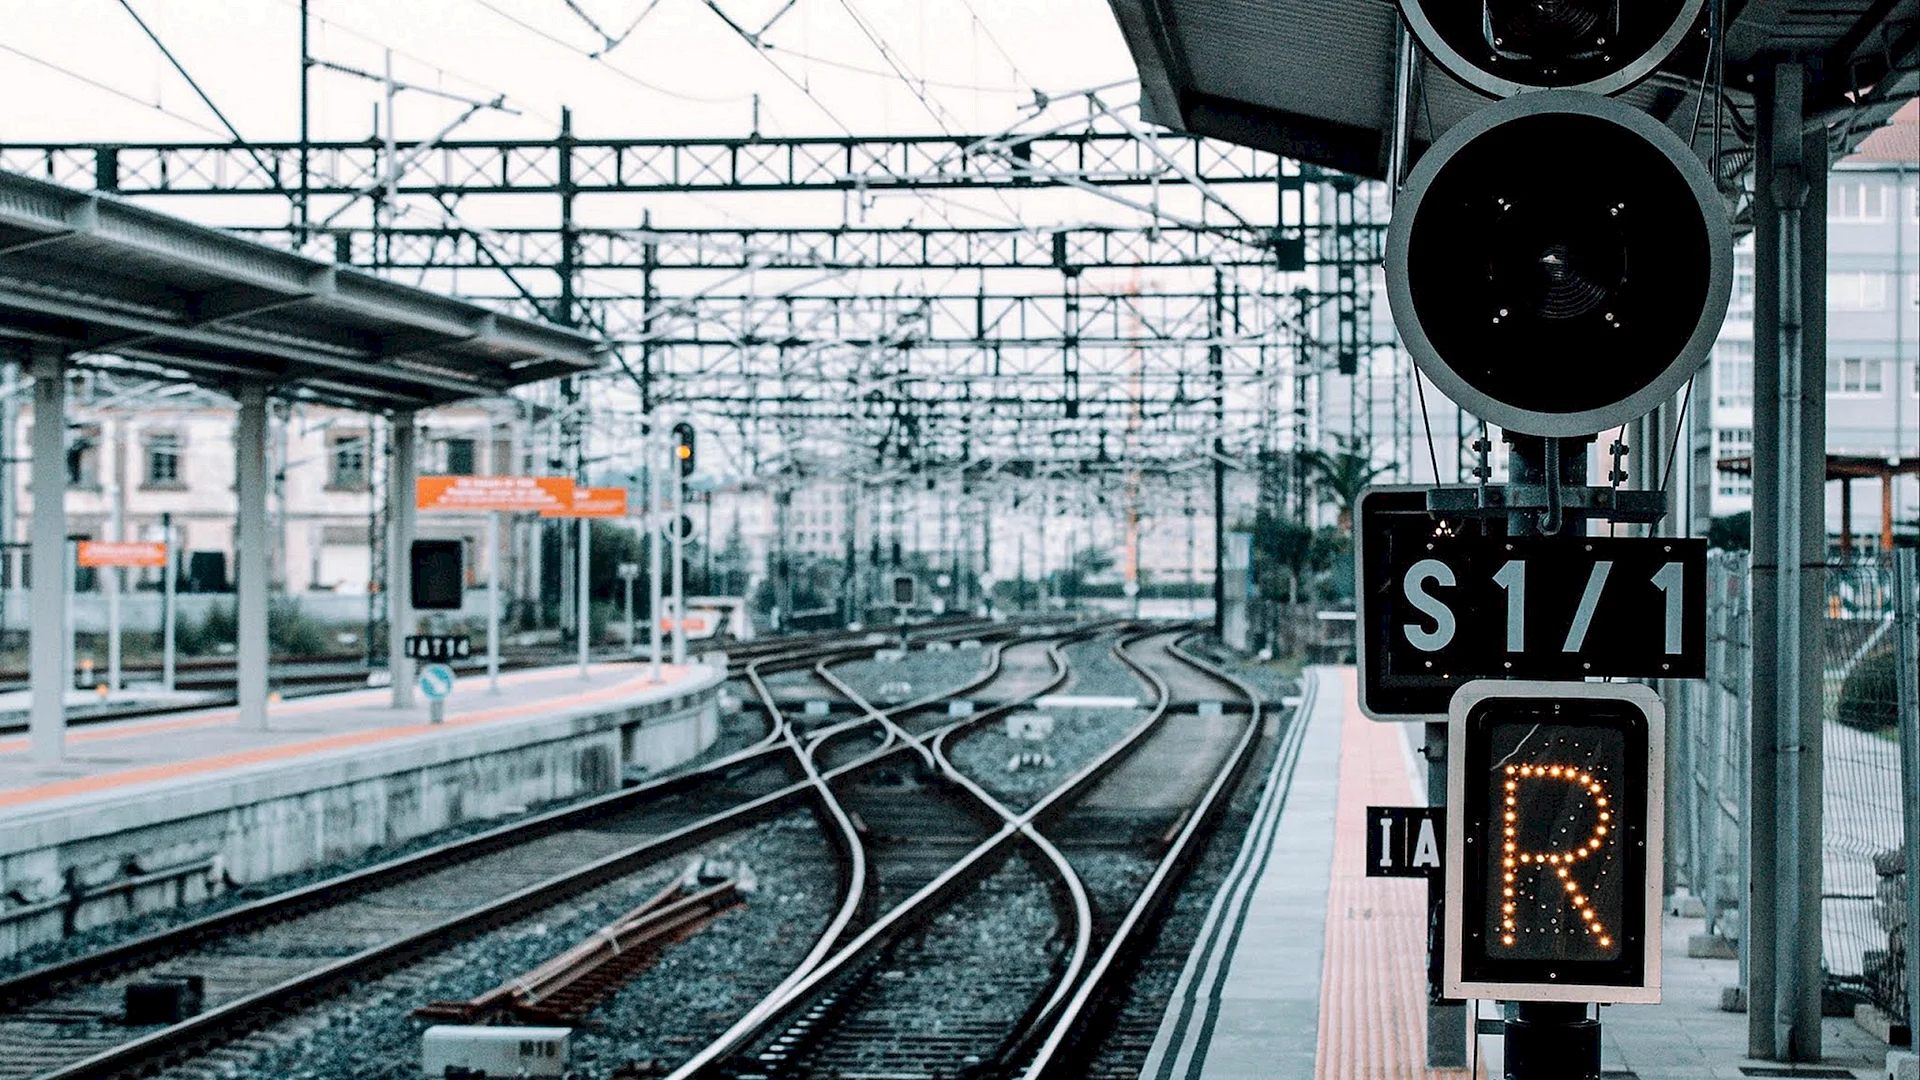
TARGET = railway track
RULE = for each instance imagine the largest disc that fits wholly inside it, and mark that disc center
(262, 961)
(989, 955)
(292, 678)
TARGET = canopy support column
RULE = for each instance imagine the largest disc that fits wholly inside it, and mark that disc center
(253, 553)
(48, 648)
(401, 473)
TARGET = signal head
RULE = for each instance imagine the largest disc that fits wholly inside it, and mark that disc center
(1507, 47)
(1559, 263)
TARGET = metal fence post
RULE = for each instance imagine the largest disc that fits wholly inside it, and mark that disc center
(1907, 687)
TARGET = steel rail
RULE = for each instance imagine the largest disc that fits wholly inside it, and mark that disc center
(1158, 888)
(218, 1025)
(39, 983)
(918, 907)
(807, 978)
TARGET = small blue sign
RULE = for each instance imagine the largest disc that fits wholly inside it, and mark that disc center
(436, 681)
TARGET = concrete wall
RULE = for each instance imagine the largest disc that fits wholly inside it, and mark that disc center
(262, 822)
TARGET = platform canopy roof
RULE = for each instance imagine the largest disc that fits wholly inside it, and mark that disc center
(99, 276)
(1315, 79)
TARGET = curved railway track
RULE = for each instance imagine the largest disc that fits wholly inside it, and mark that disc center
(986, 954)
(265, 961)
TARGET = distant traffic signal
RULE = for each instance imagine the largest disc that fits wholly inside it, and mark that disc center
(436, 574)
(905, 589)
(1559, 263)
(1553, 867)
(683, 447)
(1503, 47)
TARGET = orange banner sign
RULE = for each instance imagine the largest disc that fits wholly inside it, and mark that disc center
(513, 494)
(122, 553)
(609, 502)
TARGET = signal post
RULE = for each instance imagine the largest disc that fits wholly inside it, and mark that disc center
(1559, 264)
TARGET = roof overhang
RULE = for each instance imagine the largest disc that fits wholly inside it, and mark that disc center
(1315, 80)
(94, 275)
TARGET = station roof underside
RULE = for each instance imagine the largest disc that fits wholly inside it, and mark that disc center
(1314, 79)
(95, 275)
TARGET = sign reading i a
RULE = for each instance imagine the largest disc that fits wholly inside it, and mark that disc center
(1406, 841)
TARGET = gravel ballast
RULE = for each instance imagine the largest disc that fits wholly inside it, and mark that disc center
(738, 729)
(698, 986)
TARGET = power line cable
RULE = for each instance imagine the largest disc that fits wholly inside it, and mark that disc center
(1012, 64)
(603, 61)
(114, 90)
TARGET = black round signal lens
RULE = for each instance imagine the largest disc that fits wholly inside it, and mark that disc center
(1559, 263)
(1503, 47)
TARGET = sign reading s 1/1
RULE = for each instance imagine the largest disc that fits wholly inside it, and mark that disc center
(1548, 607)
(1405, 841)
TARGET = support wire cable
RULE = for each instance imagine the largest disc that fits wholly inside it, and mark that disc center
(1419, 386)
(114, 90)
(265, 171)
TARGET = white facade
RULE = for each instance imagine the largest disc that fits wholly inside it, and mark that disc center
(131, 460)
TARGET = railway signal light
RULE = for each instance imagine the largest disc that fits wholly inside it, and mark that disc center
(1559, 263)
(1553, 864)
(436, 574)
(683, 447)
(1503, 47)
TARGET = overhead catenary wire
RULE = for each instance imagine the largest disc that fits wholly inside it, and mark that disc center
(605, 63)
(114, 90)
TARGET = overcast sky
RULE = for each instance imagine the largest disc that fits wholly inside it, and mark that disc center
(84, 69)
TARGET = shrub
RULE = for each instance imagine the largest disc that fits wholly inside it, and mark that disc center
(1868, 693)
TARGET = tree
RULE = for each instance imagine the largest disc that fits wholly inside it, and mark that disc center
(1344, 473)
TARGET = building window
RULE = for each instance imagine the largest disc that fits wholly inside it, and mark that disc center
(1741, 305)
(1857, 201)
(1857, 290)
(1734, 443)
(458, 456)
(163, 460)
(83, 457)
(1854, 375)
(347, 462)
(1733, 374)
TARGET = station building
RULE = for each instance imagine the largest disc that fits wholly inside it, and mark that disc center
(1873, 323)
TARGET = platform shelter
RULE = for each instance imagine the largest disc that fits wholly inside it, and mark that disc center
(87, 279)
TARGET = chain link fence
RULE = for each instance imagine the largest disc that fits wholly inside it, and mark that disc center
(1863, 909)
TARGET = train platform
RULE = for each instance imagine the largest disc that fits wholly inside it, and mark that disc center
(1305, 967)
(151, 812)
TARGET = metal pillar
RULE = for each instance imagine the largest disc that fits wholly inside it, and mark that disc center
(400, 483)
(169, 583)
(1906, 592)
(1549, 1039)
(48, 634)
(679, 567)
(1446, 1018)
(583, 596)
(1784, 977)
(116, 520)
(653, 568)
(491, 467)
(253, 552)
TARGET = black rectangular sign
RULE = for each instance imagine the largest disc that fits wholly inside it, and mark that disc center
(438, 647)
(1442, 604)
(1406, 841)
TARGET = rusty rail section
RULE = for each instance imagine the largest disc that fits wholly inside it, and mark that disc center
(564, 989)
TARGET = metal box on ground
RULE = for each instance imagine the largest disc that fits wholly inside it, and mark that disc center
(167, 999)
(496, 1051)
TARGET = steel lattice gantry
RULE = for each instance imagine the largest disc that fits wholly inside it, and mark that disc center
(1085, 338)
